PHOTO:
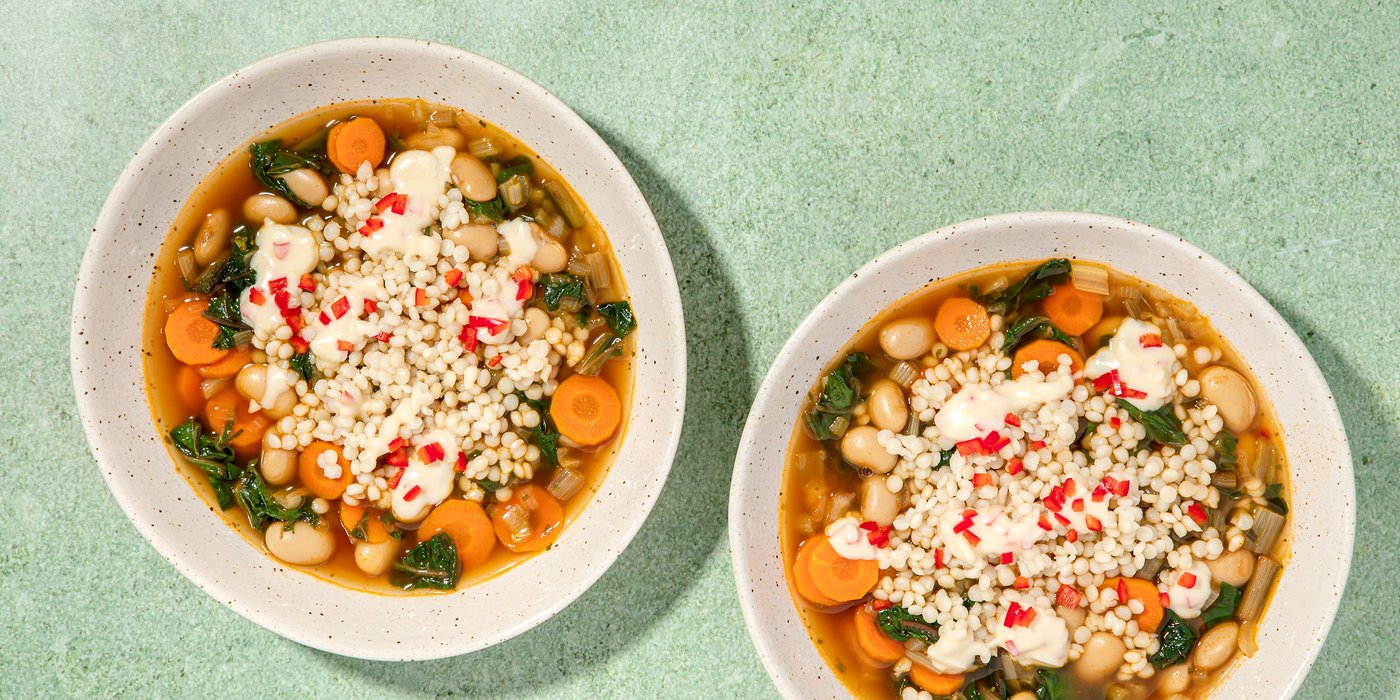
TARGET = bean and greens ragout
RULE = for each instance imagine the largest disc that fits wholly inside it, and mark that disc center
(1036, 482)
(394, 344)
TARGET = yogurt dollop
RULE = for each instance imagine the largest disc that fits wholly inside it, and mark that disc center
(501, 300)
(957, 649)
(283, 253)
(522, 243)
(1189, 601)
(976, 410)
(849, 540)
(420, 176)
(1082, 506)
(426, 482)
(405, 414)
(1145, 368)
(993, 533)
(279, 381)
(1043, 642)
(339, 327)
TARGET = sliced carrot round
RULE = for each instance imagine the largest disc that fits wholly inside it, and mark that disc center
(355, 142)
(545, 517)
(839, 578)
(935, 683)
(330, 152)
(351, 518)
(191, 336)
(1143, 592)
(1046, 353)
(1072, 310)
(468, 526)
(802, 574)
(873, 640)
(248, 427)
(585, 409)
(962, 323)
(237, 359)
(187, 383)
(314, 478)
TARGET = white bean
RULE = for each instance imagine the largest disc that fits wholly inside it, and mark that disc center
(537, 322)
(1233, 568)
(860, 448)
(1216, 646)
(306, 184)
(1102, 655)
(303, 544)
(283, 405)
(877, 502)
(1073, 617)
(1175, 679)
(374, 559)
(1229, 392)
(887, 407)
(550, 255)
(907, 338)
(473, 178)
(212, 238)
(251, 382)
(269, 206)
(479, 240)
(435, 137)
(278, 466)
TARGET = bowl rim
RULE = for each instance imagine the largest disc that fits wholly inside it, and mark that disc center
(787, 364)
(641, 494)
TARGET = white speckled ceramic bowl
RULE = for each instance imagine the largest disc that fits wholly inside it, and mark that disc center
(1323, 505)
(108, 372)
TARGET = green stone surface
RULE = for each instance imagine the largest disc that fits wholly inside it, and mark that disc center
(781, 147)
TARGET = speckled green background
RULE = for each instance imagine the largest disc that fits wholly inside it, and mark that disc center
(780, 147)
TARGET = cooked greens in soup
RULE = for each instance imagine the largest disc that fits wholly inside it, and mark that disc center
(393, 345)
(1043, 481)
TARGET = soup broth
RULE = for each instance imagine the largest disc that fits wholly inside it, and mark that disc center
(490, 457)
(927, 485)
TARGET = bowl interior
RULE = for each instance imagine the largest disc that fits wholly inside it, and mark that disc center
(110, 386)
(1323, 505)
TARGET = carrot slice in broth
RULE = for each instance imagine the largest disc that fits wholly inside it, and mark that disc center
(873, 640)
(314, 478)
(468, 526)
(354, 143)
(962, 323)
(1046, 353)
(802, 574)
(586, 409)
(190, 335)
(237, 359)
(248, 426)
(839, 578)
